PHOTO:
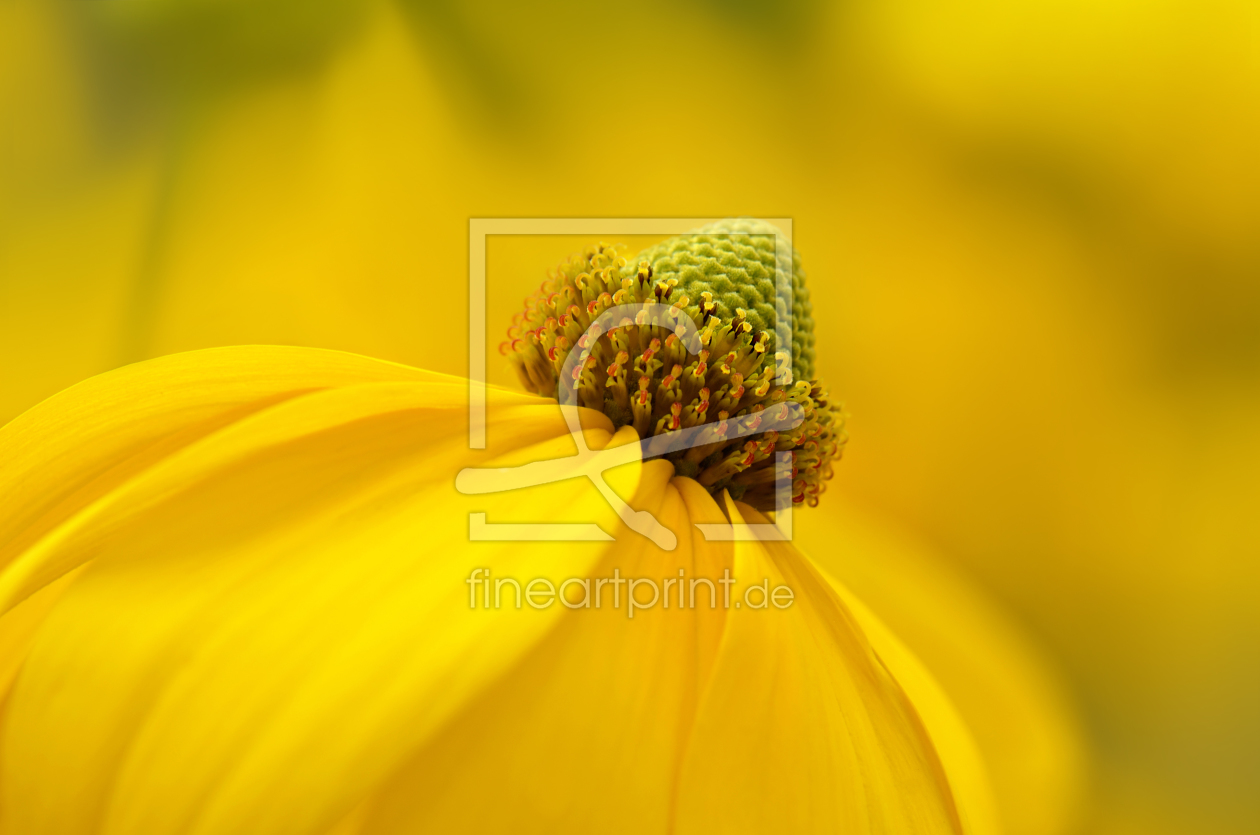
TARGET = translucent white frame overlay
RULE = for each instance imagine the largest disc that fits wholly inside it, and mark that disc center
(479, 229)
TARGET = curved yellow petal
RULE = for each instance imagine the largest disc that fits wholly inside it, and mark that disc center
(275, 618)
(78, 445)
(803, 727)
(586, 733)
(968, 775)
(1005, 691)
(964, 767)
(61, 456)
(272, 632)
(19, 626)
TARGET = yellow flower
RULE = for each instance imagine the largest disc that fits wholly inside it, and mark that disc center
(269, 182)
(1018, 227)
(273, 632)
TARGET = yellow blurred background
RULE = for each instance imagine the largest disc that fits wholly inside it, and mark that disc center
(1032, 234)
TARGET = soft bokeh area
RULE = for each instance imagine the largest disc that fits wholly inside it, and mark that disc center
(1031, 229)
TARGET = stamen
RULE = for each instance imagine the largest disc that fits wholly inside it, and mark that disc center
(641, 374)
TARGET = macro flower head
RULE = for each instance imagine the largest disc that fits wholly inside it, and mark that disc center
(752, 354)
(243, 592)
(1030, 235)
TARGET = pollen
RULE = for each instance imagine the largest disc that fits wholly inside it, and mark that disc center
(641, 374)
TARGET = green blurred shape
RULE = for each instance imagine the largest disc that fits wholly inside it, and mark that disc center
(209, 42)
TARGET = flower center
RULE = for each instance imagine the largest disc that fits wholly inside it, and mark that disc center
(642, 374)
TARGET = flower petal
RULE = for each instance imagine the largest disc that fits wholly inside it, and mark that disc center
(964, 766)
(20, 624)
(1004, 689)
(587, 732)
(77, 446)
(803, 728)
(276, 617)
